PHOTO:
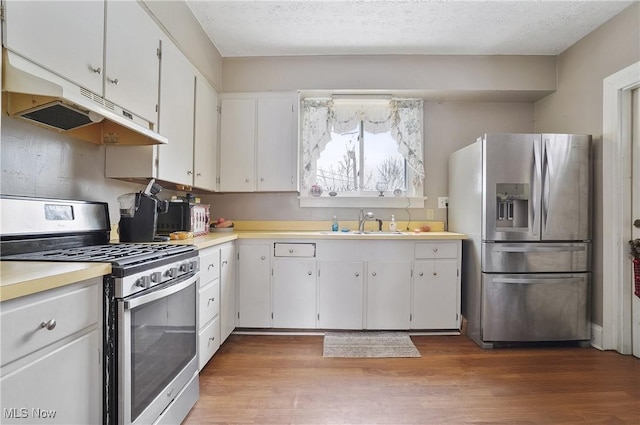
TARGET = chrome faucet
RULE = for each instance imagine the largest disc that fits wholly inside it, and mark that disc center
(362, 218)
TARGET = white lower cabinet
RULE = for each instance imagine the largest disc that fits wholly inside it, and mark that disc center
(294, 293)
(436, 285)
(389, 295)
(53, 373)
(208, 305)
(228, 307)
(340, 295)
(254, 286)
(354, 284)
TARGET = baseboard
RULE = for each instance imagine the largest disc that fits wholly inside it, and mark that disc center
(596, 336)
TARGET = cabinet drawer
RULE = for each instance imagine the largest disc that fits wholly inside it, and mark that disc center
(209, 303)
(437, 250)
(294, 249)
(209, 265)
(208, 342)
(21, 319)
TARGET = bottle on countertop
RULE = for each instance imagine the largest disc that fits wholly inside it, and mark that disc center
(392, 223)
(334, 226)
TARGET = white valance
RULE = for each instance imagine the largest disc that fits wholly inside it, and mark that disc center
(402, 117)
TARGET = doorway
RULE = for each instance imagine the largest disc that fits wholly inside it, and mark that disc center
(620, 181)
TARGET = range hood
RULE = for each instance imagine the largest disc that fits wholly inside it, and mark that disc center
(43, 98)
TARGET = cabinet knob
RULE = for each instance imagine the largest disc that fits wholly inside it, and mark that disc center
(246, 180)
(114, 81)
(224, 263)
(421, 274)
(213, 338)
(309, 273)
(373, 274)
(357, 274)
(291, 251)
(212, 299)
(199, 174)
(435, 273)
(261, 179)
(435, 249)
(50, 325)
(189, 172)
(210, 266)
(263, 257)
(97, 70)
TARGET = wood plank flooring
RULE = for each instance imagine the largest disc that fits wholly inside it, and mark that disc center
(285, 380)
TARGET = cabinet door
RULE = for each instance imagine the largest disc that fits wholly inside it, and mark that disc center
(276, 145)
(228, 309)
(205, 146)
(435, 295)
(294, 293)
(340, 294)
(64, 37)
(62, 386)
(388, 295)
(254, 291)
(176, 117)
(132, 68)
(237, 145)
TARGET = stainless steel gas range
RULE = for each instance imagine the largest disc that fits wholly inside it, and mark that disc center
(150, 357)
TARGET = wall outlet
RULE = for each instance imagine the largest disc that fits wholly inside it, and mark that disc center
(443, 201)
(430, 213)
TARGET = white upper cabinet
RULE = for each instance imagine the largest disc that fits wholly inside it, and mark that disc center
(132, 60)
(237, 144)
(176, 117)
(118, 62)
(257, 142)
(66, 38)
(205, 143)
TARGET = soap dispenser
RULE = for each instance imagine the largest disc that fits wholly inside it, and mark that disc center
(334, 225)
(392, 223)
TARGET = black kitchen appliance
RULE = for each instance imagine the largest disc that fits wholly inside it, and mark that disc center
(139, 215)
(184, 215)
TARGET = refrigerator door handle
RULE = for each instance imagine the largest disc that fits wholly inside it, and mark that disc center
(538, 280)
(536, 177)
(546, 179)
(539, 249)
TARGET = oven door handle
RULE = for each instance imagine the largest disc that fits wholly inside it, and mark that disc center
(160, 293)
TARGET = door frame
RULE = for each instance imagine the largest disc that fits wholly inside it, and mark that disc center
(616, 209)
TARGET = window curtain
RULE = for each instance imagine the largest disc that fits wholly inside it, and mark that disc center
(402, 117)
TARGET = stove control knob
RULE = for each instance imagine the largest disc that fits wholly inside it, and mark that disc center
(144, 282)
(184, 268)
(172, 272)
(195, 264)
(156, 277)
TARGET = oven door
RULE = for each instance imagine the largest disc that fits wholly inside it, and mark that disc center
(156, 349)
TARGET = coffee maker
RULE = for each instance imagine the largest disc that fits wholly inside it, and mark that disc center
(139, 214)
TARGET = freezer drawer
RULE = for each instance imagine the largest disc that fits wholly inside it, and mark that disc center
(536, 257)
(535, 307)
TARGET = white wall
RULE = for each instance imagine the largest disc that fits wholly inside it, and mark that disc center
(576, 106)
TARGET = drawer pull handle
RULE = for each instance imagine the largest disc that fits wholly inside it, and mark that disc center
(50, 325)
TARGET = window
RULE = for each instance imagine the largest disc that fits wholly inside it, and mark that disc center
(358, 161)
(361, 149)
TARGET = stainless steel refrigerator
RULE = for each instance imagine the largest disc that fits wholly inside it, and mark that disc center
(524, 200)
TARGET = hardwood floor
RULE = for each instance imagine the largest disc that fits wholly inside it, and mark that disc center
(285, 380)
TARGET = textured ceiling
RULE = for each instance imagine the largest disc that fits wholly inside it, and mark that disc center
(282, 28)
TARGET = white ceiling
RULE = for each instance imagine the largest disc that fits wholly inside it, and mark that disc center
(311, 27)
